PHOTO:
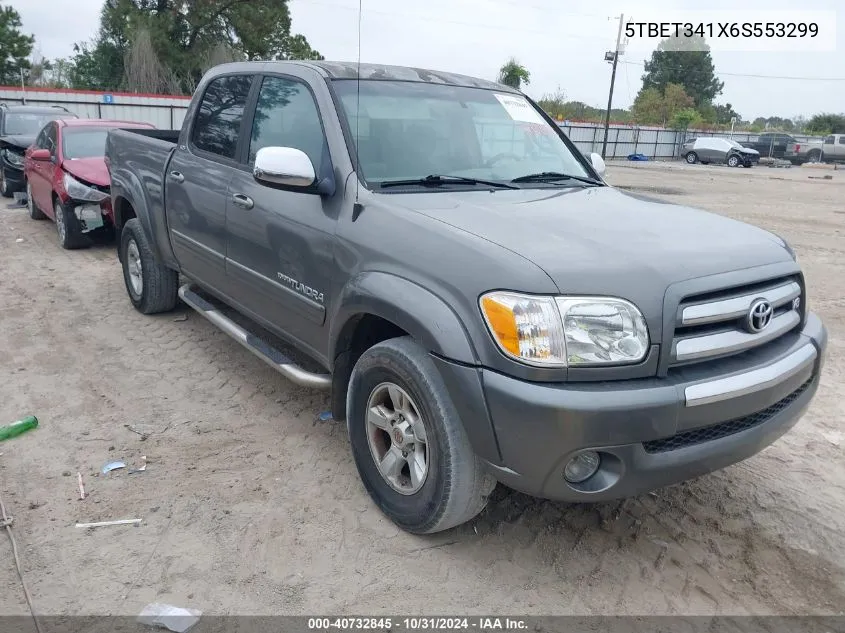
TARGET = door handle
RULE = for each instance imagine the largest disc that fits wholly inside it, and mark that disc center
(242, 201)
(177, 176)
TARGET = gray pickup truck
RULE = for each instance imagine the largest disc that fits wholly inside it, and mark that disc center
(482, 306)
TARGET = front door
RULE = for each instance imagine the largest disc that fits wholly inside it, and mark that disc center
(280, 243)
(197, 180)
(41, 172)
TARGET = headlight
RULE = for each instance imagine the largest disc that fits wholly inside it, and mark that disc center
(13, 157)
(566, 331)
(78, 191)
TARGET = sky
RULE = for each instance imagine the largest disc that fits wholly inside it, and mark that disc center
(561, 42)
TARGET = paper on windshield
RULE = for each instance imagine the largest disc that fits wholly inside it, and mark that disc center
(519, 109)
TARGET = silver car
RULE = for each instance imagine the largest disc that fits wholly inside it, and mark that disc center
(708, 149)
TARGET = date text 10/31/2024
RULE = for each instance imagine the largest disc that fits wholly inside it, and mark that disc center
(420, 623)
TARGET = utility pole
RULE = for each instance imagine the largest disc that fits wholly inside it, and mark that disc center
(611, 56)
(23, 86)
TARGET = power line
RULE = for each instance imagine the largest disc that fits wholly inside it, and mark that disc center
(441, 20)
(720, 73)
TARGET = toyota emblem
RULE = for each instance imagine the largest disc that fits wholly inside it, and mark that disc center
(759, 316)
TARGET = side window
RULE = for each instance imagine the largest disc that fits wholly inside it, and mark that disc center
(41, 139)
(220, 114)
(842, 139)
(286, 116)
(51, 138)
(829, 140)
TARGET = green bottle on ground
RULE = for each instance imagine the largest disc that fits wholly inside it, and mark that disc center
(16, 428)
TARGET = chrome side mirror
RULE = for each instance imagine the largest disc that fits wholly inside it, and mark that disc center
(286, 166)
(598, 164)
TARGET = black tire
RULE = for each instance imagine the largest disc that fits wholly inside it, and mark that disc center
(159, 285)
(34, 212)
(68, 228)
(5, 191)
(733, 161)
(457, 485)
(691, 158)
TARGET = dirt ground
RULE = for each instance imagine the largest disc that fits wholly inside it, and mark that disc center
(251, 505)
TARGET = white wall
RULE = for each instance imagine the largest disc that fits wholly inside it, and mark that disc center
(163, 111)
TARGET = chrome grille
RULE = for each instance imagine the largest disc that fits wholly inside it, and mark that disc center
(717, 325)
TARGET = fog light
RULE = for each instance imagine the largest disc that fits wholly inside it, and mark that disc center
(581, 467)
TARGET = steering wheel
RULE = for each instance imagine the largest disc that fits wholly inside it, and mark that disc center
(495, 159)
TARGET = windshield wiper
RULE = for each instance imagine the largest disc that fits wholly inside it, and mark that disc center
(552, 176)
(437, 180)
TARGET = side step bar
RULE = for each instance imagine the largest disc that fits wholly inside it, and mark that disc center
(257, 346)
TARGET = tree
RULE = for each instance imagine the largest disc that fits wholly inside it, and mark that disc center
(827, 123)
(184, 37)
(513, 74)
(724, 113)
(655, 107)
(15, 47)
(687, 62)
(685, 117)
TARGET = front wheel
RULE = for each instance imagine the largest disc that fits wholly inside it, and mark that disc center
(152, 286)
(5, 190)
(733, 161)
(691, 158)
(68, 228)
(409, 444)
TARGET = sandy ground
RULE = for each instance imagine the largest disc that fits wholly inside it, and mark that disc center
(250, 505)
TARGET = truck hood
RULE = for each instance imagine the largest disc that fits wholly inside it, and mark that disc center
(601, 240)
(91, 170)
(17, 140)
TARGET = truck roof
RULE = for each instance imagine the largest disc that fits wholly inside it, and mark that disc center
(383, 72)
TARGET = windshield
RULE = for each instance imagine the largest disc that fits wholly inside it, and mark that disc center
(86, 142)
(25, 124)
(409, 130)
(735, 144)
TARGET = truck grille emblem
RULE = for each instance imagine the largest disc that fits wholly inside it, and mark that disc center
(759, 316)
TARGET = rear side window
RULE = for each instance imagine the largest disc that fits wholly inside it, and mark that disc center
(829, 140)
(221, 112)
(842, 140)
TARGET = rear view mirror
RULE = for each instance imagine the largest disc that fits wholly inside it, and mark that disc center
(41, 154)
(598, 164)
(285, 166)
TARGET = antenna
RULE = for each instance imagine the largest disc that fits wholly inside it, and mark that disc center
(358, 115)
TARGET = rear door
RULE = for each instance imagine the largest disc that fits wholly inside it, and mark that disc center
(280, 251)
(839, 147)
(829, 147)
(197, 179)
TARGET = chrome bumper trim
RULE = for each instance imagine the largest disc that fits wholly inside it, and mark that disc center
(752, 381)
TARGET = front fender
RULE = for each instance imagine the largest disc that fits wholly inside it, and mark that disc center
(408, 305)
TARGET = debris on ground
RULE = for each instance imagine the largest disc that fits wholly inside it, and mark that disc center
(825, 177)
(112, 466)
(169, 617)
(638, 157)
(81, 487)
(19, 240)
(181, 317)
(107, 523)
(19, 426)
(834, 437)
(325, 416)
(141, 468)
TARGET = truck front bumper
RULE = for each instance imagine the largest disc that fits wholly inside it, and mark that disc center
(652, 432)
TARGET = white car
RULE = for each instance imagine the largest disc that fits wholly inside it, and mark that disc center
(710, 149)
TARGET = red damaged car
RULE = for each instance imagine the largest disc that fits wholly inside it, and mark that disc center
(67, 179)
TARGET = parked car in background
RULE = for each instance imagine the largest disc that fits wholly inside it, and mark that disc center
(833, 149)
(67, 179)
(481, 304)
(771, 144)
(710, 149)
(19, 125)
(804, 151)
